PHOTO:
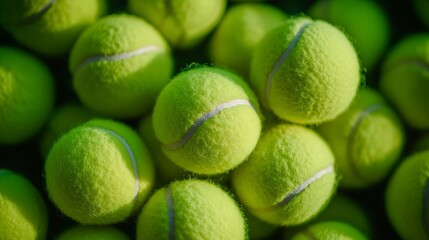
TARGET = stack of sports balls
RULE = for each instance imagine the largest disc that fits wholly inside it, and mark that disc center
(214, 119)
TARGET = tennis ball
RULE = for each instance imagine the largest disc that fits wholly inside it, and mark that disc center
(191, 209)
(99, 172)
(239, 33)
(408, 60)
(305, 71)
(328, 231)
(421, 7)
(184, 23)
(289, 178)
(49, 27)
(422, 143)
(23, 213)
(62, 120)
(363, 21)
(367, 140)
(26, 95)
(207, 120)
(407, 197)
(165, 169)
(119, 66)
(93, 233)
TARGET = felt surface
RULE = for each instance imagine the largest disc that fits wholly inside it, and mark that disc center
(330, 230)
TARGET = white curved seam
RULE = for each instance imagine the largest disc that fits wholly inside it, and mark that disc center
(39, 13)
(170, 208)
(364, 114)
(118, 57)
(206, 116)
(280, 61)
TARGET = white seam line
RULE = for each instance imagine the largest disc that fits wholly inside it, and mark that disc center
(132, 157)
(170, 208)
(425, 220)
(206, 116)
(38, 14)
(280, 61)
(118, 57)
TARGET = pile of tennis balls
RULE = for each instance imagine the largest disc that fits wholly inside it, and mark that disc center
(214, 119)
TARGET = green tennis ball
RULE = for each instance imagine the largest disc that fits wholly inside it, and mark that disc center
(305, 71)
(185, 23)
(207, 120)
(99, 172)
(23, 213)
(191, 209)
(408, 60)
(422, 143)
(239, 32)
(49, 27)
(289, 178)
(119, 66)
(166, 170)
(407, 197)
(364, 22)
(421, 7)
(26, 95)
(92, 233)
(367, 140)
(62, 120)
(328, 231)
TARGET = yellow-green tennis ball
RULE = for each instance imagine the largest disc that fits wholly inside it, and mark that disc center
(22, 210)
(239, 32)
(408, 60)
(191, 209)
(50, 27)
(422, 143)
(26, 95)
(166, 170)
(305, 71)
(99, 172)
(289, 178)
(367, 140)
(119, 66)
(364, 22)
(92, 233)
(330, 230)
(62, 120)
(207, 120)
(185, 23)
(407, 197)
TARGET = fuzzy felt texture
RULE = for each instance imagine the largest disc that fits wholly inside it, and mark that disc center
(90, 174)
(286, 156)
(23, 212)
(191, 209)
(305, 71)
(92, 233)
(26, 95)
(220, 142)
(329, 231)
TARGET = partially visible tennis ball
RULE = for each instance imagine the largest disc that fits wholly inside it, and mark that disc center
(289, 178)
(407, 197)
(239, 32)
(49, 27)
(185, 23)
(63, 119)
(92, 233)
(26, 95)
(328, 231)
(99, 172)
(408, 60)
(207, 120)
(364, 22)
(191, 209)
(367, 140)
(119, 66)
(305, 71)
(22, 210)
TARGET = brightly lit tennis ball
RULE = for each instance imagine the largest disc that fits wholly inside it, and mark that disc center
(305, 71)
(99, 172)
(119, 65)
(289, 178)
(185, 23)
(49, 27)
(367, 140)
